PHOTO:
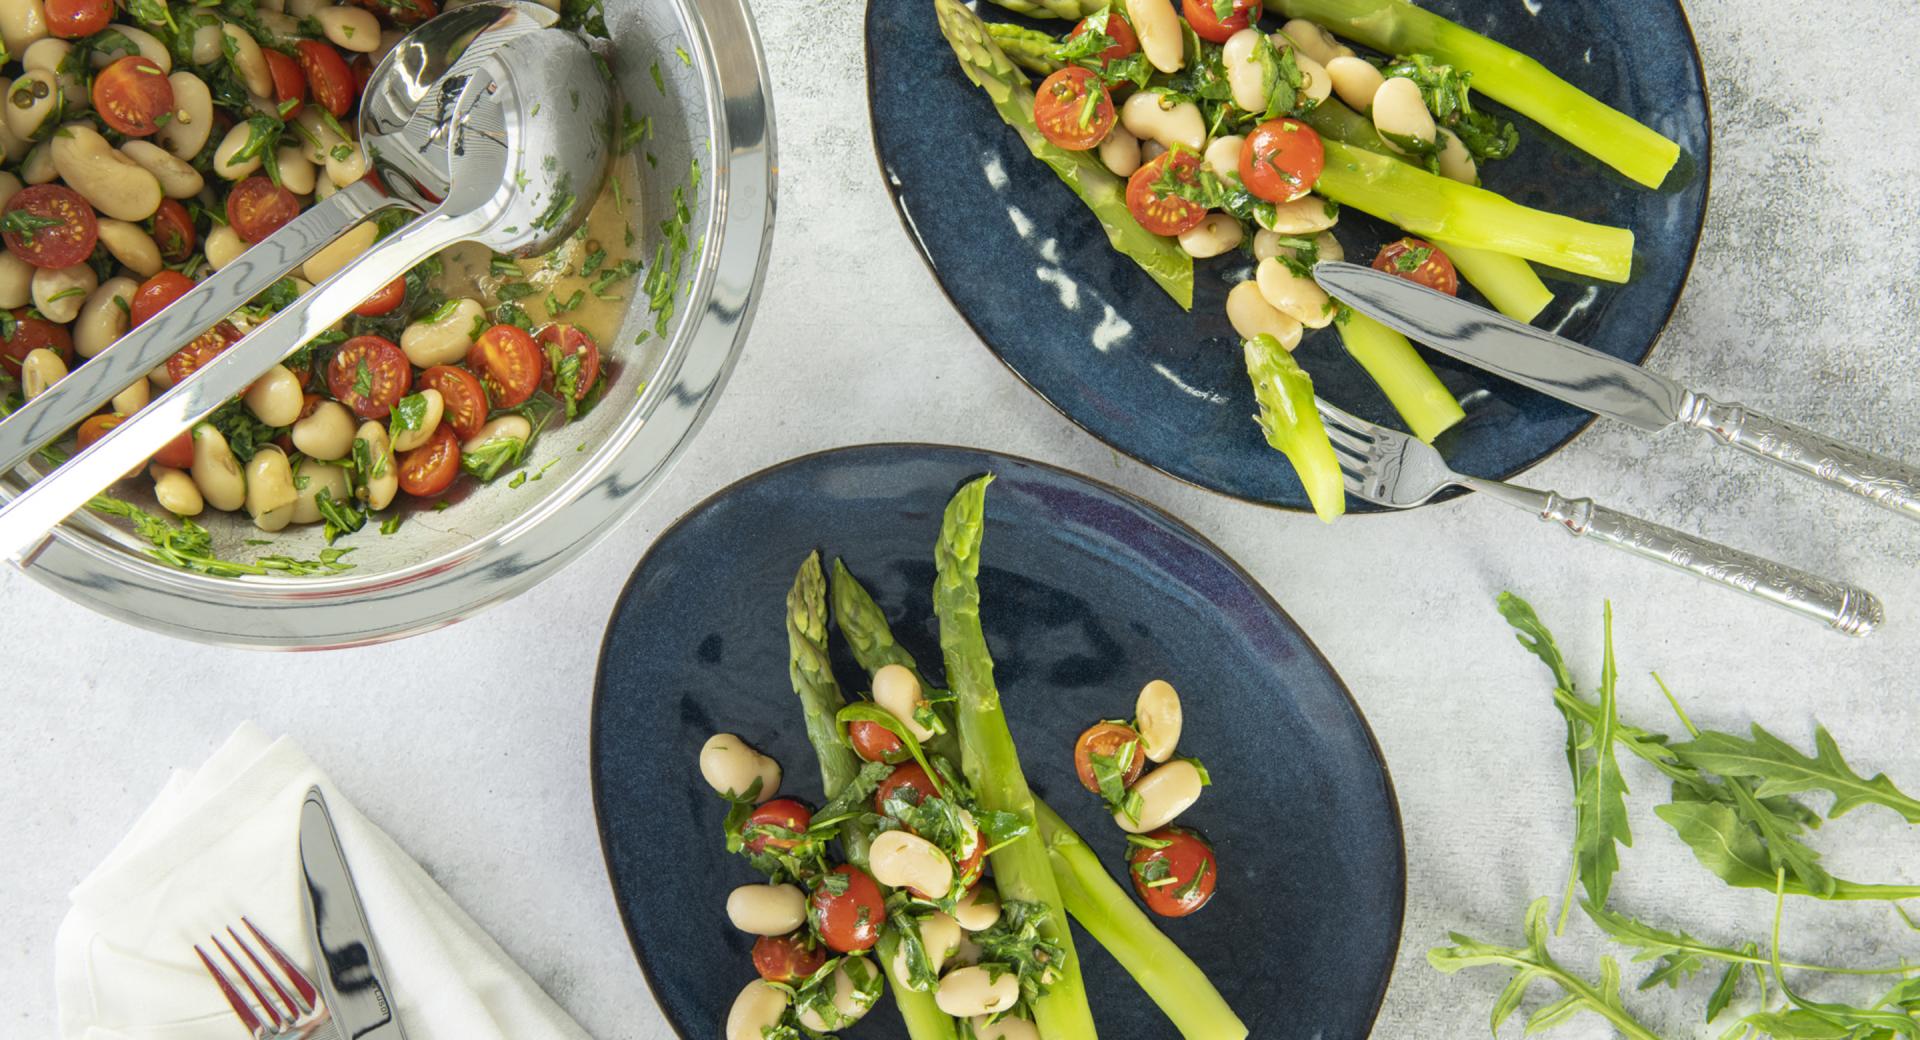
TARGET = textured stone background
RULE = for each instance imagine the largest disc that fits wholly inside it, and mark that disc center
(469, 744)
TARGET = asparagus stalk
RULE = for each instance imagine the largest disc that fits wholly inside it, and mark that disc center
(1434, 207)
(1292, 423)
(1071, 9)
(1508, 282)
(865, 627)
(1108, 914)
(1021, 868)
(1105, 194)
(1030, 49)
(1504, 74)
(1416, 393)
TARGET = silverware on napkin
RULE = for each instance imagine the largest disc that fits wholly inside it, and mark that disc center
(353, 982)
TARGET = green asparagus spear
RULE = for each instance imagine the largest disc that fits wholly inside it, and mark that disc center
(1021, 867)
(1069, 9)
(1030, 49)
(812, 675)
(865, 628)
(1108, 914)
(1292, 423)
(1501, 73)
(1426, 404)
(1105, 194)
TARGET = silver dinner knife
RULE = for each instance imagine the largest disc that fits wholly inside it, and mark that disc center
(353, 981)
(1606, 385)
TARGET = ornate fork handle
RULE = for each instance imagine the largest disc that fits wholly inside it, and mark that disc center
(1885, 482)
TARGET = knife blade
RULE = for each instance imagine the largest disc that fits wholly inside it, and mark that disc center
(353, 980)
(1605, 385)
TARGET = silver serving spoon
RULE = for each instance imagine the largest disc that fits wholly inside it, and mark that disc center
(522, 132)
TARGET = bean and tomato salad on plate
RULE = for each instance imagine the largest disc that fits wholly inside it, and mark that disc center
(150, 142)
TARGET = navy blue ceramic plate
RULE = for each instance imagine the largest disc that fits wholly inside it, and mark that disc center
(1087, 594)
(1030, 270)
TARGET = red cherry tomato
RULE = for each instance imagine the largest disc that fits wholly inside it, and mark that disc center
(390, 296)
(50, 225)
(429, 469)
(1167, 214)
(1281, 160)
(782, 813)
(132, 94)
(850, 921)
(289, 82)
(204, 348)
(155, 293)
(787, 959)
(508, 364)
(27, 335)
(370, 375)
(95, 427)
(73, 19)
(178, 453)
(910, 777)
(1106, 738)
(1073, 109)
(1125, 42)
(875, 743)
(362, 72)
(173, 232)
(257, 207)
(1419, 262)
(1178, 879)
(560, 341)
(1208, 25)
(327, 76)
(968, 869)
(464, 400)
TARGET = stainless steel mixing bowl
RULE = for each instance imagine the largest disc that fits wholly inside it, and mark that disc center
(493, 542)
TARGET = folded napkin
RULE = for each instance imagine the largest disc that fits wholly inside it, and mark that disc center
(222, 842)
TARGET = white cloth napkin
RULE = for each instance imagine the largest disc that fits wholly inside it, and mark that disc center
(222, 842)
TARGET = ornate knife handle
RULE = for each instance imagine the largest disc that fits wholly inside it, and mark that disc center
(1883, 481)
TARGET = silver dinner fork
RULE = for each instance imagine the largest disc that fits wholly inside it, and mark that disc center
(285, 1004)
(1392, 469)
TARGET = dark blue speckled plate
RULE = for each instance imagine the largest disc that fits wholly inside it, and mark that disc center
(1030, 270)
(1087, 594)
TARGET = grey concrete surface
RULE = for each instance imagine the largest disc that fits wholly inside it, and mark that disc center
(470, 744)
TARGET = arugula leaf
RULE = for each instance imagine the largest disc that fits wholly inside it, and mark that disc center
(1600, 813)
(1532, 963)
(245, 433)
(1448, 94)
(1782, 769)
(1016, 944)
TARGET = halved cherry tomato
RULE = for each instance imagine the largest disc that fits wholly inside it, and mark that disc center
(875, 743)
(257, 207)
(289, 82)
(173, 231)
(1176, 879)
(1106, 738)
(328, 77)
(508, 364)
(178, 453)
(155, 293)
(25, 335)
(1281, 160)
(1167, 214)
(73, 19)
(370, 375)
(390, 296)
(49, 225)
(95, 427)
(362, 68)
(465, 402)
(1419, 262)
(1073, 109)
(781, 814)
(1208, 25)
(132, 94)
(910, 777)
(968, 869)
(1125, 42)
(849, 921)
(429, 469)
(787, 959)
(559, 341)
(204, 348)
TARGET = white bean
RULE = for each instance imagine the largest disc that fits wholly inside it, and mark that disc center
(296, 173)
(248, 59)
(38, 167)
(60, 292)
(350, 28)
(146, 43)
(409, 439)
(1151, 150)
(384, 481)
(1159, 30)
(9, 184)
(176, 177)
(856, 987)
(215, 471)
(1306, 215)
(1223, 157)
(767, 909)
(132, 399)
(757, 1009)
(223, 246)
(12, 145)
(901, 860)
(729, 766)
(979, 909)
(1316, 85)
(1158, 719)
(206, 45)
(346, 166)
(310, 478)
(1294, 296)
(304, 8)
(116, 185)
(130, 244)
(1251, 315)
(327, 434)
(275, 398)
(966, 992)
(34, 102)
(226, 158)
(316, 135)
(444, 339)
(1456, 162)
(897, 690)
(49, 55)
(1120, 152)
(270, 496)
(1314, 42)
(986, 1027)
(1401, 116)
(1216, 233)
(1245, 75)
(176, 492)
(39, 370)
(22, 22)
(939, 937)
(513, 427)
(332, 257)
(1355, 80)
(186, 133)
(16, 281)
(277, 27)
(1164, 794)
(1151, 116)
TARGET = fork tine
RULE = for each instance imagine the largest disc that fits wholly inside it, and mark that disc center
(234, 1000)
(1351, 444)
(294, 1010)
(273, 1014)
(1345, 418)
(309, 993)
